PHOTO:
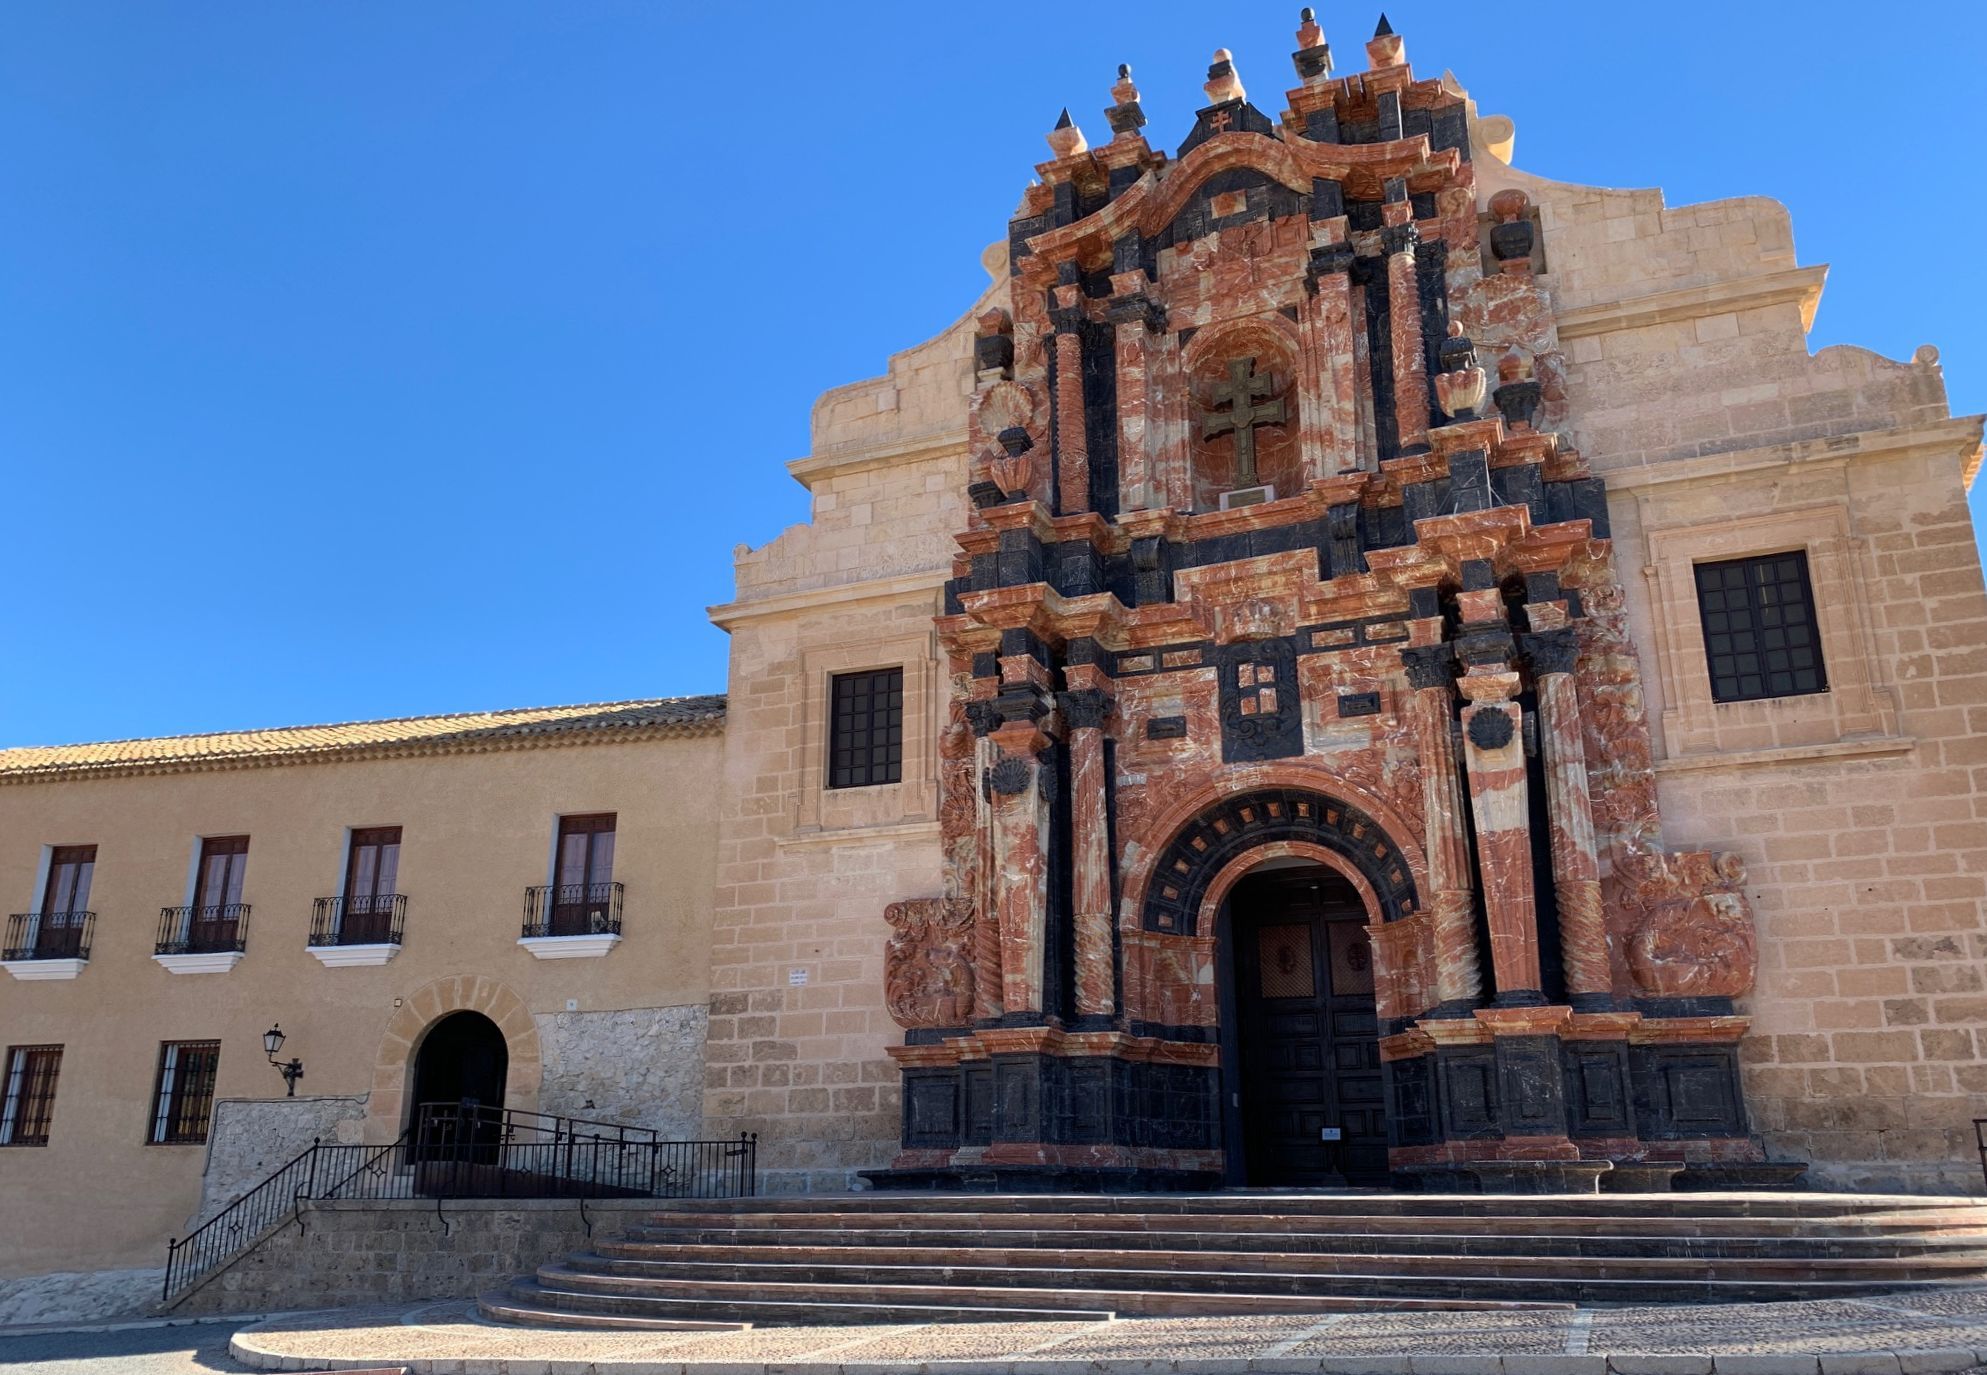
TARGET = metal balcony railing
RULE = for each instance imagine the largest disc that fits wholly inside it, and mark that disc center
(572, 909)
(375, 919)
(203, 930)
(49, 936)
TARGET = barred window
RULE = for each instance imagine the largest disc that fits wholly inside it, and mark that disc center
(185, 1092)
(866, 728)
(30, 1100)
(1760, 635)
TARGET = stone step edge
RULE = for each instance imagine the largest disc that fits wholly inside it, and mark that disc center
(1880, 1361)
(554, 1282)
(1971, 1260)
(543, 1301)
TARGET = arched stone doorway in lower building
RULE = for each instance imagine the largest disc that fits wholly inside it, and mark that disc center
(1305, 1099)
(463, 1059)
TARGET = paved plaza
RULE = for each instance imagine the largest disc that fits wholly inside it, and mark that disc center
(1915, 1334)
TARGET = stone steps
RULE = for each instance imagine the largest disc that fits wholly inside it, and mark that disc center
(1036, 1293)
(1476, 1239)
(926, 1258)
(1328, 1255)
(1430, 1279)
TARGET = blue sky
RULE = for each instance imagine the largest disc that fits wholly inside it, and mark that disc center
(371, 359)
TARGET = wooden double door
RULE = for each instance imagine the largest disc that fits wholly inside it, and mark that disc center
(1312, 1109)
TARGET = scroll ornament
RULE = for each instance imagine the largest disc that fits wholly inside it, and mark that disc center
(927, 974)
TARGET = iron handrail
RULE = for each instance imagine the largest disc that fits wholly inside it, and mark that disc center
(199, 930)
(49, 936)
(572, 909)
(458, 1150)
(372, 919)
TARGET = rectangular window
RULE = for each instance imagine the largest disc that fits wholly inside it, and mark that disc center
(372, 867)
(65, 899)
(214, 922)
(185, 1092)
(584, 873)
(1760, 635)
(866, 728)
(30, 1101)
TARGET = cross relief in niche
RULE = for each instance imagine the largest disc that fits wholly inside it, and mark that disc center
(1244, 435)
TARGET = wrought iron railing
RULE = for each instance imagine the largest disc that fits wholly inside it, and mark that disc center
(203, 930)
(49, 936)
(572, 909)
(1980, 1140)
(366, 919)
(460, 1150)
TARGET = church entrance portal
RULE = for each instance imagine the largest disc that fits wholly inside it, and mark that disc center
(1303, 1068)
(462, 1060)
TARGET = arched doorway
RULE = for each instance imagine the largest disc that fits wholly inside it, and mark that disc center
(1306, 1098)
(462, 1060)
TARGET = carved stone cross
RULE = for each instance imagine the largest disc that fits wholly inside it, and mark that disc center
(1239, 393)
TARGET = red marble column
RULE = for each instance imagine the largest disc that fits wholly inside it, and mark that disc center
(1131, 311)
(1084, 710)
(1458, 975)
(1494, 747)
(1576, 869)
(989, 987)
(1072, 443)
(1021, 871)
(1398, 237)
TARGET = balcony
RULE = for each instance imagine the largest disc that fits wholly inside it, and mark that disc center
(364, 929)
(202, 940)
(47, 945)
(571, 920)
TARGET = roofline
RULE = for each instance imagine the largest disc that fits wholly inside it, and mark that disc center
(484, 739)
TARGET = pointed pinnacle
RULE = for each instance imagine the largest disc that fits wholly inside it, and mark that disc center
(1065, 121)
(1385, 28)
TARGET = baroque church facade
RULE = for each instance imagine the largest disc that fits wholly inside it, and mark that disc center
(1350, 662)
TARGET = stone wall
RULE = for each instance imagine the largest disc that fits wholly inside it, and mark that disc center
(643, 1066)
(252, 1138)
(349, 1253)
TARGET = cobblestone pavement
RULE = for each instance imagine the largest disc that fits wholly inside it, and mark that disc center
(1899, 1334)
(184, 1349)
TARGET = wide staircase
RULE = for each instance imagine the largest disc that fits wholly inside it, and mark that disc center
(886, 1257)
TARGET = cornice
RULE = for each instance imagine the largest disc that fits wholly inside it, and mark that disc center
(340, 754)
(1956, 435)
(1799, 284)
(857, 458)
(730, 614)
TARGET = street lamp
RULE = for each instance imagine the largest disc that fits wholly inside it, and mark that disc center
(292, 1070)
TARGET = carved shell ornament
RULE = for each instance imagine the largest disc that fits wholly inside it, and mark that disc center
(1005, 406)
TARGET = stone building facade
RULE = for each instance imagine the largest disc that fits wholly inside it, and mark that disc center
(1263, 698)
(1299, 563)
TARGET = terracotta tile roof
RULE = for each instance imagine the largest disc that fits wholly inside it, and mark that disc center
(462, 732)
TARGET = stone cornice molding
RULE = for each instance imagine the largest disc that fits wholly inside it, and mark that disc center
(855, 458)
(730, 614)
(1959, 435)
(1801, 285)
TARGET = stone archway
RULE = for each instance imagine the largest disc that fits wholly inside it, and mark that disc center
(393, 1067)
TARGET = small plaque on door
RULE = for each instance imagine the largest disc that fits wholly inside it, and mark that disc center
(1331, 1134)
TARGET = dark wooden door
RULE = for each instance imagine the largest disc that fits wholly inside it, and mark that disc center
(1310, 1052)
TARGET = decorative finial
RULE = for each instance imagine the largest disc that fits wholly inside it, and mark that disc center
(1125, 116)
(1066, 140)
(1385, 48)
(1313, 57)
(1223, 85)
